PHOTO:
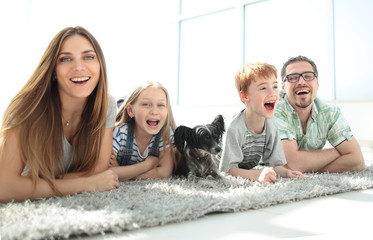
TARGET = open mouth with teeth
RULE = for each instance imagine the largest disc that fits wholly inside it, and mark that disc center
(152, 123)
(270, 105)
(80, 80)
(302, 92)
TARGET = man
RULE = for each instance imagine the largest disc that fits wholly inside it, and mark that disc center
(305, 123)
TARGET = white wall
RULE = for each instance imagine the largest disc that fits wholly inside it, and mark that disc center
(140, 42)
(139, 39)
(359, 115)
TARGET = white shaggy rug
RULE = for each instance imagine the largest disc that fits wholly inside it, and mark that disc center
(148, 203)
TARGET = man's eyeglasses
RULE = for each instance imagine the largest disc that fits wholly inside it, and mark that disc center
(294, 77)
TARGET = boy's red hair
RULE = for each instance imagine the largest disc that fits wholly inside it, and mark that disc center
(251, 72)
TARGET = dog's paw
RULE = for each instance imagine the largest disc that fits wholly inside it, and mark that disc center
(207, 183)
(226, 182)
(210, 177)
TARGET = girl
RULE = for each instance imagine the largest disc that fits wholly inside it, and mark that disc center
(142, 135)
(56, 135)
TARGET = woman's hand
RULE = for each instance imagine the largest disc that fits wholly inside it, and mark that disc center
(104, 181)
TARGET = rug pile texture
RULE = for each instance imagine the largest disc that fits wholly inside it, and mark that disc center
(149, 203)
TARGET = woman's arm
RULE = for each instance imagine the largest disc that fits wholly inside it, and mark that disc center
(103, 160)
(165, 167)
(106, 147)
(13, 186)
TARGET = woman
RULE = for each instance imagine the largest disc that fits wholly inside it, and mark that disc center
(56, 136)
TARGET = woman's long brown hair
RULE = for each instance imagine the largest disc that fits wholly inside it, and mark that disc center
(36, 113)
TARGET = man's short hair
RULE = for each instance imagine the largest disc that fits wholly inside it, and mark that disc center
(299, 58)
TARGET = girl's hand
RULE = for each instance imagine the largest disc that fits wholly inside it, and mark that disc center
(151, 162)
(267, 174)
(113, 159)
(104, 181)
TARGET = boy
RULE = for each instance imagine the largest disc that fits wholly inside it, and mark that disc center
(252, 137)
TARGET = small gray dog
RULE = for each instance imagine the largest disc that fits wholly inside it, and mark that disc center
(197, 146)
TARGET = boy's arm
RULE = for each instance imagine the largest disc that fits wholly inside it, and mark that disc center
(244, 173)
(273, 153)
(264, 175)
(232, 153)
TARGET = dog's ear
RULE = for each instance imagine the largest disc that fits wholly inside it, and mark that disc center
(181, 136)
(219, 123)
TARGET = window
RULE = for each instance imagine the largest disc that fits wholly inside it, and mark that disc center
(353, 49)
(278, 30)
(210, 54)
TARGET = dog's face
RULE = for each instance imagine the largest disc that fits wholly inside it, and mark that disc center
(204, 137)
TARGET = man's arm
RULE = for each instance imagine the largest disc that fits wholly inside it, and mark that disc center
(307, 161)
(351, 158)
(345, 157)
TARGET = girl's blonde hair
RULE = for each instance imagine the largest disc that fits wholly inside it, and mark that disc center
(36, 113)
(123, 117)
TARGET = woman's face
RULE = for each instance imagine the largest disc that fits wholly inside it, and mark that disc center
(77, 68)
